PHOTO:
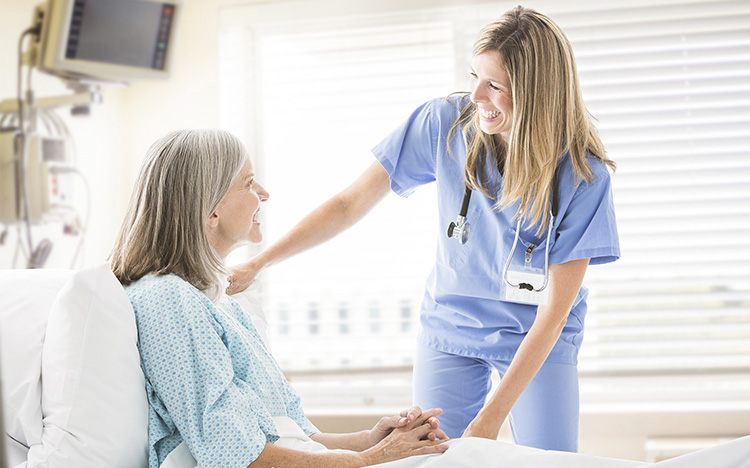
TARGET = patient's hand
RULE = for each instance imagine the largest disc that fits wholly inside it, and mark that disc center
(387, 424)
(242, 275)
(419, 436)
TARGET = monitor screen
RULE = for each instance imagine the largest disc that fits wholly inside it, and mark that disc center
(109, 40)
(124, 32)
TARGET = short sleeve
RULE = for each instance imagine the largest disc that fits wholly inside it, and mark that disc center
(189, 367)
(408, 154)
(588, 227)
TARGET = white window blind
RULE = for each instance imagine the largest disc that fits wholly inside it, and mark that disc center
(328, 93)
(669, 85)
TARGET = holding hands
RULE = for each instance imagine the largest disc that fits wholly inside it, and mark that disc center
(411, 432)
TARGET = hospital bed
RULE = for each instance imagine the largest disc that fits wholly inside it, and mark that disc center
(73, 391)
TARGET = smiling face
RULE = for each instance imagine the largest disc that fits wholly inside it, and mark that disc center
(490, 91)
(235, 220)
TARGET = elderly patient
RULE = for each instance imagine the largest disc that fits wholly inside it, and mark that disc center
(210, 379)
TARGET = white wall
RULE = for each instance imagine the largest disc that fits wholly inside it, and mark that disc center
(111, 142)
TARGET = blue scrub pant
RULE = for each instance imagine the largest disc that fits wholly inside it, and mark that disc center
(545, 415)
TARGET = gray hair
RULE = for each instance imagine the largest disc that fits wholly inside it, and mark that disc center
(181, 182)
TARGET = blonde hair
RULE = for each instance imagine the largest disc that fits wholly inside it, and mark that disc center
(549, 116)
(181, 182)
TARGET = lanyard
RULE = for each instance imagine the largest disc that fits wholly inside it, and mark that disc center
(461, 229)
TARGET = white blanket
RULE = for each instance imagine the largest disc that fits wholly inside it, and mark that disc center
(468, 453)
(474, 452)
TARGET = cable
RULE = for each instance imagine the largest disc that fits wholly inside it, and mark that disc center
(15, 254)
(29, 98)
(32, 30)
(19, 247)
(85, 227)
(23, 181)
(46, 121)
(34, 257)
(3, 117)
(40, 255)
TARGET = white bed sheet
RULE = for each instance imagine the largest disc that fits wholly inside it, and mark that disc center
(475, 452)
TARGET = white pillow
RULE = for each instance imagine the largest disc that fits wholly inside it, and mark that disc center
(94, 406)
(26, 297)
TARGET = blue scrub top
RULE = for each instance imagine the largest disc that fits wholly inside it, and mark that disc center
(463, 311)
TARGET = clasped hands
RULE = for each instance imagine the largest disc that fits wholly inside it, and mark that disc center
(411, 432)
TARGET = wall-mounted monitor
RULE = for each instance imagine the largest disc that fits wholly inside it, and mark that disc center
(107, 40)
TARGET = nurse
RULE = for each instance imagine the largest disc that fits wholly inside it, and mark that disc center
(522, 141)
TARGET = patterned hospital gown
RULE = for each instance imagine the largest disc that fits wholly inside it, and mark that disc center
(210, 379)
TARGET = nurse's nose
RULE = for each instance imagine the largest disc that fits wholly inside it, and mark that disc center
(477, 95)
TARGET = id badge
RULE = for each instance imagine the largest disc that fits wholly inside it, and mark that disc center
(529, 279)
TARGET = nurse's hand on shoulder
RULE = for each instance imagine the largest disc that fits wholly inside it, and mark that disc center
(241, 276)
(487, 428)
(387, 424)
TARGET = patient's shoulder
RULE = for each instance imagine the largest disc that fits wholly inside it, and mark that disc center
(168, 302)
(164, 291)
(153, 284)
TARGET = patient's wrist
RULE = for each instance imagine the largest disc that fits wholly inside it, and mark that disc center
(364, 440)
(369, 457)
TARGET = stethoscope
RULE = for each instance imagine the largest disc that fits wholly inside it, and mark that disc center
(460, 229)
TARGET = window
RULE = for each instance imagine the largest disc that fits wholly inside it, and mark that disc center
(667, 82)
(324, 96)
(313, 327)
(343, 319)
(407, 317)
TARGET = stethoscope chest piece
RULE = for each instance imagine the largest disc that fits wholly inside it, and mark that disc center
(460, 229)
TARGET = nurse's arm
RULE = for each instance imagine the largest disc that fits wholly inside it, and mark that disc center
(565, 282)
(334, 216)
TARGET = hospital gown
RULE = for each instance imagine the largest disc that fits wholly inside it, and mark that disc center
(210, 379)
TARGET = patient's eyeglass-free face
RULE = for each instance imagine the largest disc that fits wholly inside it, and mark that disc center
(237, 216)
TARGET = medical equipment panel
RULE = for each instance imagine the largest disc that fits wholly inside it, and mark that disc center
(107, 40)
